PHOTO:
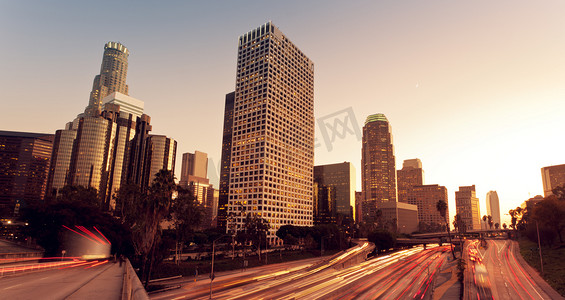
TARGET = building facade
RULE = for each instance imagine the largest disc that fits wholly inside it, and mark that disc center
(334, 192)
(24, 165)
(194, 177)
(493, 207)
(409, 176)
(425, 197)
(552, 177)
(272, 152)
(225, 169)
(112, 77)
(399, 217)
(109, 144)
(378, 166)
(467, 206)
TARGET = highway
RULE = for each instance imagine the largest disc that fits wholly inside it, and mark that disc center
(404, 274)
(59, 283)
(494, 273)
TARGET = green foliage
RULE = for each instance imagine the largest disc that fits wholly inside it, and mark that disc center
(383, 240)
(550, 215)
(254, 230)
(311, 236)
(459, 224)
(186, 213)
(553, 263)
(74, 193)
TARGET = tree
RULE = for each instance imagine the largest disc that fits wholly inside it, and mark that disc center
(496, 226)
(485, 221)
(72, 193)
(504, 226)
(144, 212)
(441, 207)
(490, 222)
(186, 214)
(516, 215)
(550, 213)
(383, 240)
(254, 230)
(459, 224)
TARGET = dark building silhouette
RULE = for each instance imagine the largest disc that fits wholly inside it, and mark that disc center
(334, 192)
(24, 164)
(225, 163)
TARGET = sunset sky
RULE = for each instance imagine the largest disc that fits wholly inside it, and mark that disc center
(475, 89)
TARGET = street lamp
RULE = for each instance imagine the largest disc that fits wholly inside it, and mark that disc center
(212, 276)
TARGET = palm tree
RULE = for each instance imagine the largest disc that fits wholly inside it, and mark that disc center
(441, 207)
(490, 222)
(485, 221)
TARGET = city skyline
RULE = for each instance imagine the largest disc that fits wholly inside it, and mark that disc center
(468, 88)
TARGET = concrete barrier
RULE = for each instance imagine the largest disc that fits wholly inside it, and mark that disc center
(132, 289)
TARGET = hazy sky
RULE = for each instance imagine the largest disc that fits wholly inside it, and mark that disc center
(475, 89)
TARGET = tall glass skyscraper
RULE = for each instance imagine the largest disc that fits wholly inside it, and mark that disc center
(493, 207)
(112, 77)
(223, 195)
(272, 152)
(467, 206)
(378, 165)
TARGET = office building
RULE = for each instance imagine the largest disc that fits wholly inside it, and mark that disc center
(127, 104)
(467, 206)
(112, 77)
(24, 164)
(109, 144)
(272, 155)
(161, 155)
(552, 177)
(378, 166)
(225, 169)
(334, 192)
(425, 197)
(194, 167)
(410, 175)
(493, 207)
(399, 217)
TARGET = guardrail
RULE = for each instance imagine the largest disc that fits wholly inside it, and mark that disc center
(132, 289)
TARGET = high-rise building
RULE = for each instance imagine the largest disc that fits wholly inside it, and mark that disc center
(127, 104)
(552, 177)
(24, 164)
(225, 163)
(194, 166)
(378, 166)
(109, 145)
(272, 155)
(493, 207)
(335, 192)
(425, 197)
(112, 77)
(359, 199)
(161, 155)
(467, 206)
(410, 175)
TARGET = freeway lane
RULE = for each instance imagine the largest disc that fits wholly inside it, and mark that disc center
(496, 274)
(400, 275)
(51, 284)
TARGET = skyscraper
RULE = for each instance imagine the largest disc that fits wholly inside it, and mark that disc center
(24, 164)
(194, 165)
(409, 176)
(273, 132)
(552, 177)
(493, 207)
(378, 166)
(112, 77)
(336, 192)
(467, 206)
(109, 145)
(225, 163)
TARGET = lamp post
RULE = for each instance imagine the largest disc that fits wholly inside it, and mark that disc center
(539, 248)
(212, 276)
